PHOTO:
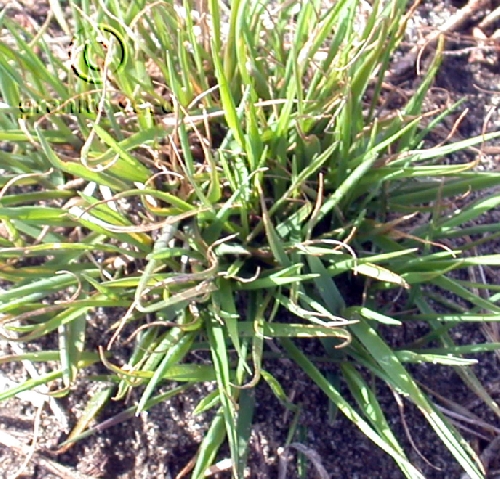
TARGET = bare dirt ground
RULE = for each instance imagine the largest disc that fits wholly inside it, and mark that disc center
(159, 444)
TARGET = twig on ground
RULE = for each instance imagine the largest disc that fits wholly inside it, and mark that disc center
(59, 470)
(32, 447)
(310, 453)
(453, 23)
(488, 455)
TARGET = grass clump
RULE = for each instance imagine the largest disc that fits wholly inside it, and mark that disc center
(215, 163)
